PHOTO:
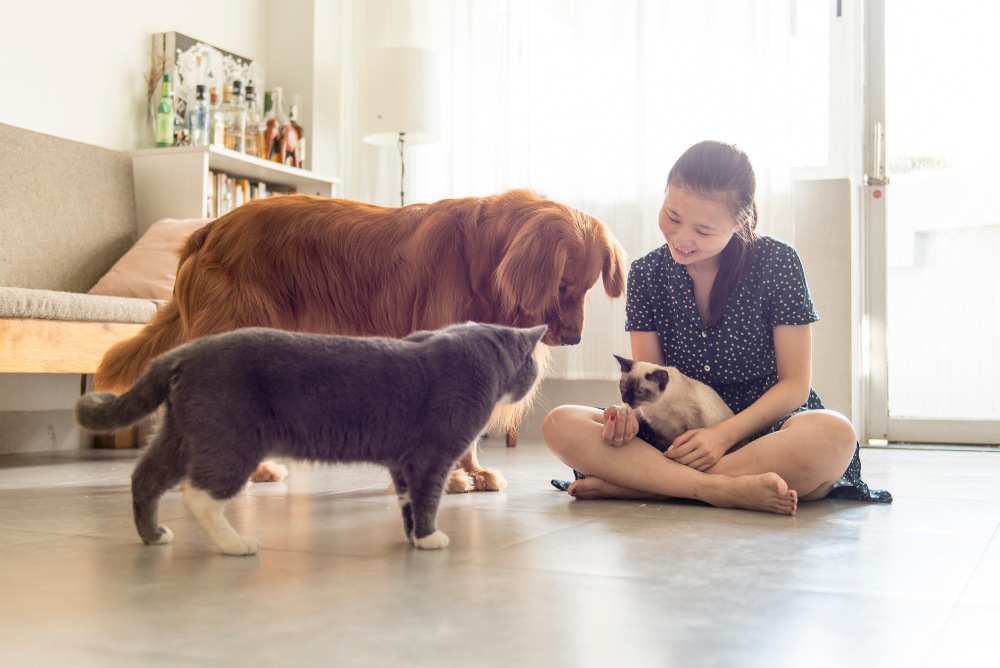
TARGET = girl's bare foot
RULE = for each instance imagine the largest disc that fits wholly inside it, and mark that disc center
(767, 492)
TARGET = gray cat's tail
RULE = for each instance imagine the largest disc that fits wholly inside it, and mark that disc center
(105, 411)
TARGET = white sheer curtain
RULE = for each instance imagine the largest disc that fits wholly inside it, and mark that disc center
(590, 102)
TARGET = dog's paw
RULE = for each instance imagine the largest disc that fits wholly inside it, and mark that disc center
(459, 482)
(432, 541)
(269, 472)
(487, 480)
(241, 546)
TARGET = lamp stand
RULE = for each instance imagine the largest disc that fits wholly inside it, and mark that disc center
(402, 166)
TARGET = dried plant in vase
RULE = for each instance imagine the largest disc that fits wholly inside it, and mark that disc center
(153, 77)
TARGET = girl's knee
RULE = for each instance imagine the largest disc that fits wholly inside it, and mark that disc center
(839, 430)
(834, 432)
(828, 429)
(555, 427)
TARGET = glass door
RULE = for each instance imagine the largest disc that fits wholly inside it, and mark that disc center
(932, 203)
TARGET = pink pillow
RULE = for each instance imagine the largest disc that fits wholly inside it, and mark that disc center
(148, 269)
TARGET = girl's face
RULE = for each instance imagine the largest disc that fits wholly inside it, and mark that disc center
(697, 229)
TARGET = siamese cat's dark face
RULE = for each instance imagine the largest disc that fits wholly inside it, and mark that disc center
(641, 383)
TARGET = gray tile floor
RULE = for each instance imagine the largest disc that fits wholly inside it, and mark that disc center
(532, 577)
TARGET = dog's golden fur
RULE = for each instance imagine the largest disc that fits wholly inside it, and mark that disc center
(341, 267)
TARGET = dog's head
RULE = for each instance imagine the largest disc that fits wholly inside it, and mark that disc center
(551, 257)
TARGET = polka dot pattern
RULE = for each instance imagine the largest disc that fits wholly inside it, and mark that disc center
(735, 355)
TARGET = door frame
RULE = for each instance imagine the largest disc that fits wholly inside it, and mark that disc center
(880, 425)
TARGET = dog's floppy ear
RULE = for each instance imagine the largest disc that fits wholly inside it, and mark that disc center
(613, 271)
(532, 266)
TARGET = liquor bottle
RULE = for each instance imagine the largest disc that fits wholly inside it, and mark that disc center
(270, 125)
(165, 115)
(276, 127)
(226, 111)
(255, 124)
(236, 134)
(295, 141)
(198, 118)
(216, 120)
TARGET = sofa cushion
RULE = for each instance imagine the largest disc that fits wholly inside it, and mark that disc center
(148, 269)
(55, 305)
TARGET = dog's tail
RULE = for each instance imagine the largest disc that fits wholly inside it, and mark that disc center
(106, 411)
(125, 361)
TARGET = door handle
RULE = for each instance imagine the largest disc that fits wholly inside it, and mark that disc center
(877, 176)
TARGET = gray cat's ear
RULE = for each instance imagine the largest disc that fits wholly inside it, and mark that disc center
(537, 332)
(660, 377)
(625, 363)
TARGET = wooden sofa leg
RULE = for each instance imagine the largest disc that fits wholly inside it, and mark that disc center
(511, 437)
(127, 438)
(124, 439)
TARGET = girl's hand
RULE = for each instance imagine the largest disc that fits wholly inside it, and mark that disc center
(620, 425)
(699, 448)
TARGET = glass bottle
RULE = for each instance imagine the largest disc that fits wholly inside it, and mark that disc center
(255, 124)
(276, 127)
(225, 111)
(165, 115)
(198, 118)
(216, 120)
(295, 139)
(269, 126)
(236, 135)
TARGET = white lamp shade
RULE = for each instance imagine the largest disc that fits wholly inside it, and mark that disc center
(402, 93)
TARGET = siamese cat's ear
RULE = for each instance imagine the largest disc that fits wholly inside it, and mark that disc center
(626, 363)
(660, 377)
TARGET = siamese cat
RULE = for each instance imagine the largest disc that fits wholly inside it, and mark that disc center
(413, 405)
(669, 401)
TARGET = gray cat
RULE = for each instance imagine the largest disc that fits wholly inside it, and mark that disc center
(669, 401)
(413, 405)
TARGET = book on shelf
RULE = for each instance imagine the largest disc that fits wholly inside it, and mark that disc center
(228, 192)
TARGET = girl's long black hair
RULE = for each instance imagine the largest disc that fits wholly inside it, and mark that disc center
(722, 172)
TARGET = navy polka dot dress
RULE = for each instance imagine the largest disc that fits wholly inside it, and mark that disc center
(735, 355)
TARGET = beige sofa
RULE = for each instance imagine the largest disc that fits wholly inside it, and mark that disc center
(67, 214)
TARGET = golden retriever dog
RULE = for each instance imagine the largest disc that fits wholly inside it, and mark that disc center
(335, 266)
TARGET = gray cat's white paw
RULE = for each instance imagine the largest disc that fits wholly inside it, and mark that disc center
(432, 541)
(244, 546)
(166, 535)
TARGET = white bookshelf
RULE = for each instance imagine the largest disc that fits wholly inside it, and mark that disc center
(173, 182)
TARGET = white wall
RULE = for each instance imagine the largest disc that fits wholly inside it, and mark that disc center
(76, 69)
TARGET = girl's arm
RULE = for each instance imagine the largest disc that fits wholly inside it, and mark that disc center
(646, 347)
(793, 350)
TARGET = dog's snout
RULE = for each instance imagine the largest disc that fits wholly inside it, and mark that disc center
(569, 339)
